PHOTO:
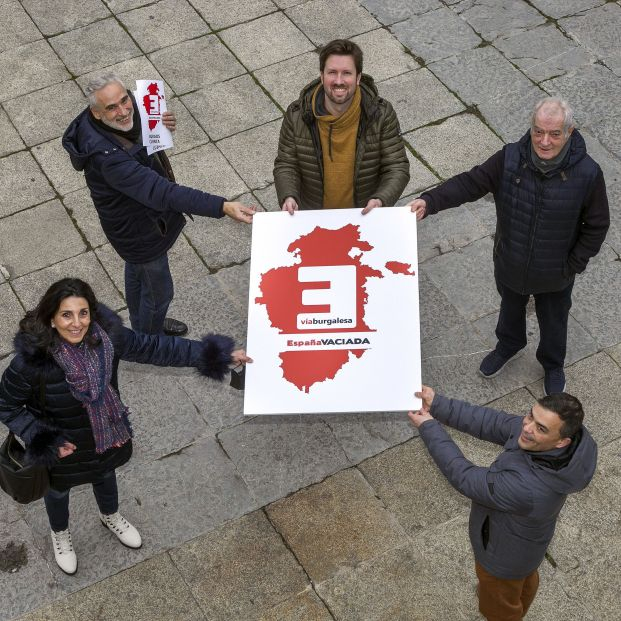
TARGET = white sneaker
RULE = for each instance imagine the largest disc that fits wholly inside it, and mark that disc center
(127, 534)
(63, 551)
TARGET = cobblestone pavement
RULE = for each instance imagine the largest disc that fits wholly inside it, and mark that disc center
(321, 517)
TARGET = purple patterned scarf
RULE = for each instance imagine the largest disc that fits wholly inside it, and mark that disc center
(88, 371)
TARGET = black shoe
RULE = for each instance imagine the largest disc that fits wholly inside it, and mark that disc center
(172, 327)
(494, 363)
(554, 381)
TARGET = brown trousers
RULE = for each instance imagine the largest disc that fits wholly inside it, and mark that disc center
(505, 600)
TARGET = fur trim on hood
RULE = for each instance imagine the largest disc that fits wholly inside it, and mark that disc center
(38, 357)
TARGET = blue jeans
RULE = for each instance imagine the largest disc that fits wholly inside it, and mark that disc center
(149, 292)
(57, 502)
(552, 313)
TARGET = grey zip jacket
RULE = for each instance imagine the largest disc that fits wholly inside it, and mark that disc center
(517, 500)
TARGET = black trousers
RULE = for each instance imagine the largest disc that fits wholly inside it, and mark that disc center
(552, 313)
(57, 502)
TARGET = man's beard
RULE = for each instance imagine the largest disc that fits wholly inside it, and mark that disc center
(119, 126)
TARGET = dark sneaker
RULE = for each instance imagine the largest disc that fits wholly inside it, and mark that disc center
(554, 381)
(172, 327)
(494, 363)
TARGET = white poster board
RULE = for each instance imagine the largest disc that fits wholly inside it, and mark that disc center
(333, 315)
(151, 103)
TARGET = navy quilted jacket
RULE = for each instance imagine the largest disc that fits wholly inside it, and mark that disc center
(140, 209)
(64, 417)
(548, 226)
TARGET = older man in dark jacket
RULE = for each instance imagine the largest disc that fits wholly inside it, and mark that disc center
(139, 205)
(552, 217)
(547, 455)
(340, 144)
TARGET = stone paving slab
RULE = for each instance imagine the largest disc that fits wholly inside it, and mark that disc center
(230, 107)
(26, 243)
(21, 183)
(277, 455)
(492, 19)
(12, 312)
(129, 71)
(10, 140)
(80, 207)
(151, 590)
(163, 417)
(508, 114)
(31, 287)
(212, 63)
(190, 134)
(285, 80)
(252, 153)
(472, 143)
(362, 435)
(58, 168)
(556, 9)
(319, 20)
(437, 314)
(384, 56)
(206, 169)
(241, 570)
(57, 16)
(587, 530)
(305, 606)
(401, 585)
(223, 13)
(543, 52)
(335, 524)
(18, 28)
(590, 90)
(435, 35)
(163, 24)
(479, 74)
(448, 231)
(34, 63)
(598, 31)
(466, 276)
(418, 99)
(202, 490)
(391, 11)
(23, 567)
(94, 46)
(395, 475)
(254, 50)
(596, 303)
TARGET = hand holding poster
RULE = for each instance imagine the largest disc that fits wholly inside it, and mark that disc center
(333, 322)
(151, 103)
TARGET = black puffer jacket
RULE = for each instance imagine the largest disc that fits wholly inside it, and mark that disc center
(64, 417)
(548, 226)
(381, 169)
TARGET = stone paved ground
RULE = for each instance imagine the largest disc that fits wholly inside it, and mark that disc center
(314, 518)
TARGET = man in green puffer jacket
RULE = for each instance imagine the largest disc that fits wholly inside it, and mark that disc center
(340, 144)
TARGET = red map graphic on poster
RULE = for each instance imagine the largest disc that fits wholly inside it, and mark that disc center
(151, 103)
(282, 296)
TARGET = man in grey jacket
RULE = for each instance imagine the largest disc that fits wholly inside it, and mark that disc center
(547, 455)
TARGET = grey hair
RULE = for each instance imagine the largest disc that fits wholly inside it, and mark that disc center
(562, 105)
(99, 82)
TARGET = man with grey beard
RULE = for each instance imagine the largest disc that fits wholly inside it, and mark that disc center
(140, 207)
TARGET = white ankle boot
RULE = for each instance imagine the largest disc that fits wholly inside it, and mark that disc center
(63, 551)
(127, 534)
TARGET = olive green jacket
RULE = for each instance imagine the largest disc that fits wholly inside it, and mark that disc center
(381, 169)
